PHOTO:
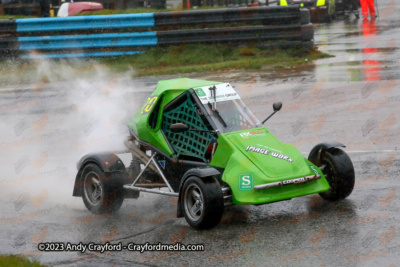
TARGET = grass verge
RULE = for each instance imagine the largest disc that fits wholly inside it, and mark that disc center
(189, 58)
(16, 17)
(213, 58)
(15, 260)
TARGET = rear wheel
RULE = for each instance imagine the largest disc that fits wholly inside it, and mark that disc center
(339, 172)
(203, 204)
(101, 193)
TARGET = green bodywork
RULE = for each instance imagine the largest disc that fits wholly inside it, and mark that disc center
(231, 155)
(248, 157)
(167, 91)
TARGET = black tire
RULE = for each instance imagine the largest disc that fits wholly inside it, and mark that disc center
(206, 195)
(339, 172)
(101, 192)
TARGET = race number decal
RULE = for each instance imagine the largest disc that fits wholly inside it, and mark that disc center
(149, 104)
(246, 181)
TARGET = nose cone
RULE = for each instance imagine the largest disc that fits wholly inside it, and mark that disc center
(274, 158)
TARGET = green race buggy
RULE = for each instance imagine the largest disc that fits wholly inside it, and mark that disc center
(197, 141)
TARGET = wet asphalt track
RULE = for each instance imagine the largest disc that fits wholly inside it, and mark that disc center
(353, 97)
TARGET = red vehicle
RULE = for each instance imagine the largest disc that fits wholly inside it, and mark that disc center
(70, 9)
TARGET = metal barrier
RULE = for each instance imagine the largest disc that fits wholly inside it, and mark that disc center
(8, 27)
(91, 35)
(79, 23)
(235, 34)
(267, 15)
(74, 42)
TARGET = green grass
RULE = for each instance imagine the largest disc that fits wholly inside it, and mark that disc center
(204, 58)
(15, 17)
(15, 260)
(213, 58)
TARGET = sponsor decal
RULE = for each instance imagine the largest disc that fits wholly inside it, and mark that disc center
(257, 150)
(295, 181)
(252, 133)
(246, 181)
(200, 92)
(280, 156)
(203, 99)
(224, 92)
(267, 152)
(162, 163)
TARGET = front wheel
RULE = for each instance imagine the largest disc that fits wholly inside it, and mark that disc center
(202, 202)
(101, 193)
(339, 172)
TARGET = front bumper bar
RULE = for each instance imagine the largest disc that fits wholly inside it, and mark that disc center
(300, 180)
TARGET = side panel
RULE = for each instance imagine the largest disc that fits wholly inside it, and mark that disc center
(222, 153)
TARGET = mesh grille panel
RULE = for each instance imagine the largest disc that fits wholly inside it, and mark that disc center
(189, 143)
